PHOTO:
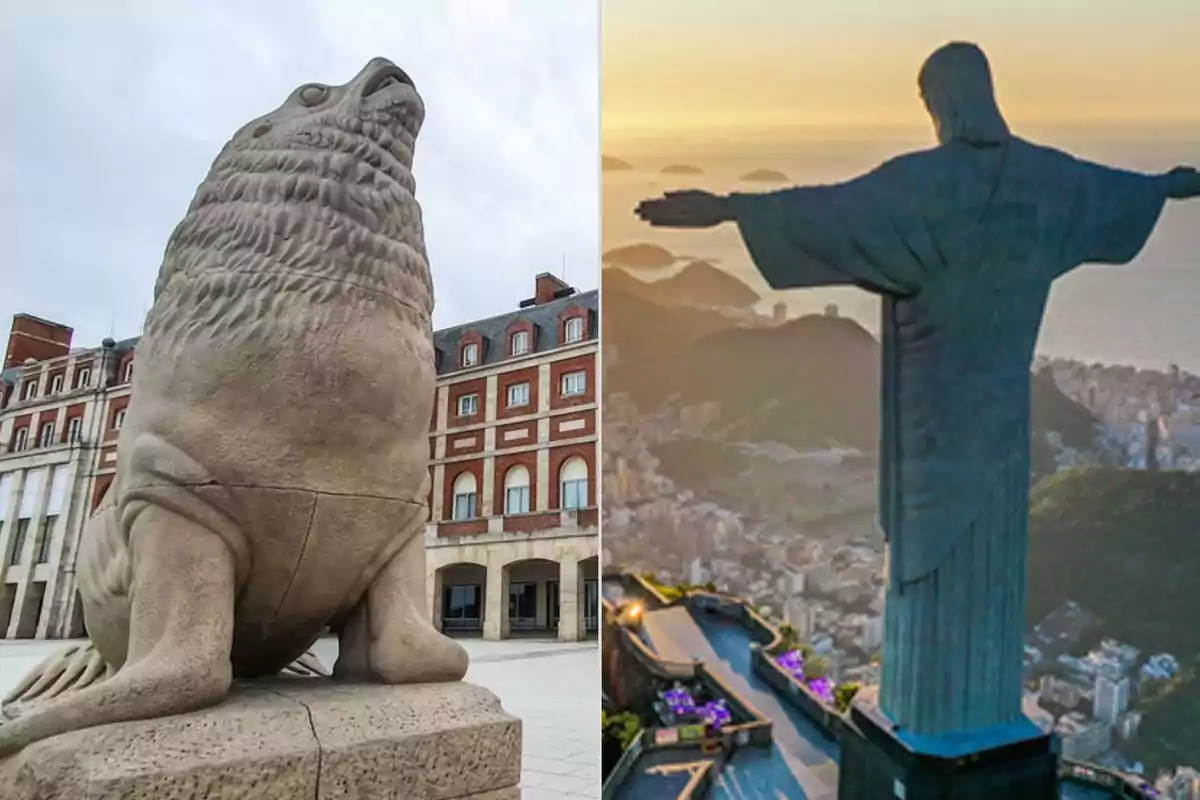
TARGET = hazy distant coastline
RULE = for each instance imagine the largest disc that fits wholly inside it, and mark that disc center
(1145, 314)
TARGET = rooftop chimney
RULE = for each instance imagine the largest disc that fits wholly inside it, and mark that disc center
(547, 289)
(34, 338)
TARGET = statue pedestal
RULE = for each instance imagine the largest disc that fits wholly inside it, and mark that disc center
(302, 738)
(879, 764)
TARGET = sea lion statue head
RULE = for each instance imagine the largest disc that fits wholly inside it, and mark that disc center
(320, 187)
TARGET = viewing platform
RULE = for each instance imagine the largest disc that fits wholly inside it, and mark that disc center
(654, 639)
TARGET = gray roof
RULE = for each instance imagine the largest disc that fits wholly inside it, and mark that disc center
(492, 329)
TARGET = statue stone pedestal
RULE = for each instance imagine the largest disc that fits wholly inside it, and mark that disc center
(284, 739)
(878, 764)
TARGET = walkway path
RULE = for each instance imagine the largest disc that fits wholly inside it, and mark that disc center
(802, 762)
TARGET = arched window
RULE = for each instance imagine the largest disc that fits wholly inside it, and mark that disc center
(465, 496)
(573, 483)
(516, 490)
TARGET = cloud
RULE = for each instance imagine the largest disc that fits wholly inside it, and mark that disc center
(115, 116)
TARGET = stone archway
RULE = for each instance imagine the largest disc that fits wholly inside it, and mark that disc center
(532, 600)
(459, 598)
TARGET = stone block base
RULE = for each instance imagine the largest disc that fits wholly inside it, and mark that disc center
(299, 739)
(876, 765)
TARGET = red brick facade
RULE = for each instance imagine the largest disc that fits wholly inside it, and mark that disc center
(35, 338)
(517, 377)
(569, 366)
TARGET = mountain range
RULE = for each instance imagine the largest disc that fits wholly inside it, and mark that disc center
(809, 382)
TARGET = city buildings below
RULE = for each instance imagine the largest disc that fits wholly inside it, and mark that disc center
(1035, 713)
(1159, 667)
(512, 540)
(1111, 698)
(1083, 739)
(1128, 724)
(1182, 784)
(1150, 417)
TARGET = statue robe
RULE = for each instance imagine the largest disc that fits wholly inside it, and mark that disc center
(963, 243)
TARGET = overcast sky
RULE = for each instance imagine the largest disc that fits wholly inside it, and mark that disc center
(115, 110)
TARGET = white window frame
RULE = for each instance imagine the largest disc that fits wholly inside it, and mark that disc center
(573, 493)
(470, 355)
(521, 337)
(118, 419)
(577, 494)
(524, 398)
(83, 377)
(74, 429)
(521, 496)
(471, 510)
(573, 330)
(565, 388)
(464, 505)
(29, 390)
(127, 374)
(463, 405)
(21, 438)
(56, 383)
(46, 434)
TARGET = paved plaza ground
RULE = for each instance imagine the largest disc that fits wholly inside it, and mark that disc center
(553, 687)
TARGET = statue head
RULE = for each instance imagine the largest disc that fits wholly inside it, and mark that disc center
(325, 177)
(956, 85)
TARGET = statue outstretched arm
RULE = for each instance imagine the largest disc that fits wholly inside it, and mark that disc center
(1181, 183)
(691, 208)
(847, 234)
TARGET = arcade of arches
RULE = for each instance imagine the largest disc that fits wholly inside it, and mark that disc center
(536, 587)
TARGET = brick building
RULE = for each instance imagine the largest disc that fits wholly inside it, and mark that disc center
(512, 538)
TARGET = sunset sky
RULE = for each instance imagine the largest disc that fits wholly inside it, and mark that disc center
(673, 66)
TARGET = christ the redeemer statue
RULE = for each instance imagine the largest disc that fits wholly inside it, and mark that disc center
(962, 242)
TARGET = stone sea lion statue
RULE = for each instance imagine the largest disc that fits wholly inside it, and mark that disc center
(273, 466)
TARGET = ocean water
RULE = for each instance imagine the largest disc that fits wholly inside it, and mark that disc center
(1146, 313)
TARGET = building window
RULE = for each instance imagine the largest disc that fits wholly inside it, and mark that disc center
(56, 384)
(470, 355)
(43, 553)
(127, 375)
(573, 481)
(574, 383)
(465, 496)
(516, 490)
(118, 419)
(82, 378)
(46, 435)
(520, 343)
(74, 429)
(30, 390)
(20, 438)
(462, 607)
(468, 405)
(518, 395)
(522, 605)
(18, 546)
(573, 330)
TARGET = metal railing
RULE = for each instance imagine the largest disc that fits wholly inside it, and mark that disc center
(462, 624)
(1121, 785)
